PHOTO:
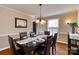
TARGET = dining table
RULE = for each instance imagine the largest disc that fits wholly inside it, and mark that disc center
(30, 44)
(74, 36)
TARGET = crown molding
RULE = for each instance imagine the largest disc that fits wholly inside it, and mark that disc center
(14, 10)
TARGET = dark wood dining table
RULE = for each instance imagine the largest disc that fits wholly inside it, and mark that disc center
(31, 43)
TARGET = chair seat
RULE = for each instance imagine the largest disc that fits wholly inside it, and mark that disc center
(74, 50)
(20, 52)
(40, 50)
(44, 49)
(74, 45)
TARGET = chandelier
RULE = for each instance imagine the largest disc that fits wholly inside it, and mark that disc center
(40, 19)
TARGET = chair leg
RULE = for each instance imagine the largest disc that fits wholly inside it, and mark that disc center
(33, 52)
(68, 51)
(52, 51)
(49, 53)
(55, 49)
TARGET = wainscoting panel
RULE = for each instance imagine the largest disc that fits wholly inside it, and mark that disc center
(62, 37)
(4, 42)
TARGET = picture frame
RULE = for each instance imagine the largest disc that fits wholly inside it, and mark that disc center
(20, 23)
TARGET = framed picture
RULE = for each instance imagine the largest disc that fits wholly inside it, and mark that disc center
(20, 23)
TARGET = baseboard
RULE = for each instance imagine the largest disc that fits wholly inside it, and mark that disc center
(65, 33)
(62, 42)
(4, 48)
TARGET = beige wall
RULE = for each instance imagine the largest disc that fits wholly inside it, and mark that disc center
(63, 27)
(7, 24)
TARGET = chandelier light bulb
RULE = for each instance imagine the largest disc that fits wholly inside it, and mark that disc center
(37, 21)
(43, 21)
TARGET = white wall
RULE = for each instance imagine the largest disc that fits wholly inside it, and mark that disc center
(7, 24)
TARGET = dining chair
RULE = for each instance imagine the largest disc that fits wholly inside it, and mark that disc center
(47, 32)
(72, 47)
(53, 43)
(23, 35)
(44, 50)
(14, 51)
(32, 34)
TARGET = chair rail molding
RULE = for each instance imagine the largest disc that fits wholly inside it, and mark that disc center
(8, 34)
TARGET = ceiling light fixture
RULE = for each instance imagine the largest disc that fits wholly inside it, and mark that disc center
(40, 19)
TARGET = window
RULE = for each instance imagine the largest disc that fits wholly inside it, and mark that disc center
(53, 25)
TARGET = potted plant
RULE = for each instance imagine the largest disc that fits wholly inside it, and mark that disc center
(73, 25)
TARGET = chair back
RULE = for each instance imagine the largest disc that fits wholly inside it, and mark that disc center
(47, 32)
(69, 44)
(48, 45)
(22, 35)
(12, 45)
(54, 39)
(32, 34)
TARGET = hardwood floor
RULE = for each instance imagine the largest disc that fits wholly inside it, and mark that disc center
(61, 49)
(5, 52)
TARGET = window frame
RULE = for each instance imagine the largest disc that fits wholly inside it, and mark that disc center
(53, 28)
(54, 19)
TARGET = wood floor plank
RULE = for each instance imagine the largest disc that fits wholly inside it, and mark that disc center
(5, 52)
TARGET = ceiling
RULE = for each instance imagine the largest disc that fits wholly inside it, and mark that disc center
(47, 9)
